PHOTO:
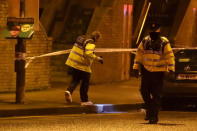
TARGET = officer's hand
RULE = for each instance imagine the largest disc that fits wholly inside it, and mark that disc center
(100, 59)
(136, 73)
(171, 74)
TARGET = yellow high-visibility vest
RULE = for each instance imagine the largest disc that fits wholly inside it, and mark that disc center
(80, 58)
(155, 61)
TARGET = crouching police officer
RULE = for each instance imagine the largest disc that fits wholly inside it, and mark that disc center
(80, 60)
(154, 57)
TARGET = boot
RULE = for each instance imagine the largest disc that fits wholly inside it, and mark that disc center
(147, 116)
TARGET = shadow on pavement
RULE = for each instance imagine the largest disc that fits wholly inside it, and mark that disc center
(164, 124)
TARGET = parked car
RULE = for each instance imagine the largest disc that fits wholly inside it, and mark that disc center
(182, 84)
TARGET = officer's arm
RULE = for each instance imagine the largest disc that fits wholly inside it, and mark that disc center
(138, 57)
(89, 51)
(169, 56)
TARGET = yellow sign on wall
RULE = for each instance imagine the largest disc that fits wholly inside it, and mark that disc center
(18, 28)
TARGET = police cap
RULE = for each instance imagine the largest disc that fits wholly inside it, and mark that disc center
(154, 26)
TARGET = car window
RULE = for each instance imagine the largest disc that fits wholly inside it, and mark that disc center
(186, 56)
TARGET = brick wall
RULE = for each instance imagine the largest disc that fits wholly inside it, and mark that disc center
(7, 75)
(186, 33)
(38, 72)
(111, 27)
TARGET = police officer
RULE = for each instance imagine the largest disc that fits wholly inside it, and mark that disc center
(80, 60)
(154, 57)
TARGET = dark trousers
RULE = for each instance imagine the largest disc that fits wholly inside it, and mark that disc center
(151, 87)
(77, 77)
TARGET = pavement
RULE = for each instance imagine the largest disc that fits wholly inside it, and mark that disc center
(120, 96)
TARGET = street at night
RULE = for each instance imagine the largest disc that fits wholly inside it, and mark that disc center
(98, 65)
(132, 121)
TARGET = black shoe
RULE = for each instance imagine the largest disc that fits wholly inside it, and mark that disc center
(147, 116)
(153, 120)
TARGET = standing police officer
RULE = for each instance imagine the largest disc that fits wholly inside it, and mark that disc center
(80, 60)
(154, 57)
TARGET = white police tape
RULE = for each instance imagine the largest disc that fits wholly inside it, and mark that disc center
(101, 50)
(98, 50)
